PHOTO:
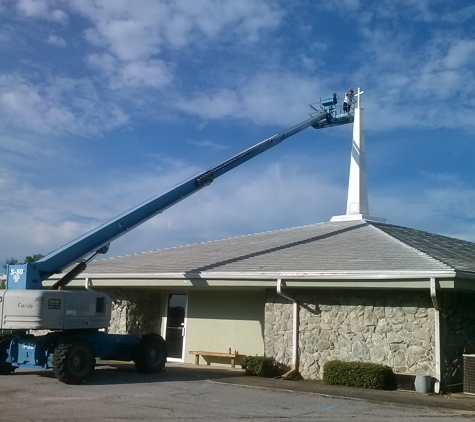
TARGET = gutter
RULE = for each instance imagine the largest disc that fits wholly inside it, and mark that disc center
(271, 276)
(435, 302)
(294, 373)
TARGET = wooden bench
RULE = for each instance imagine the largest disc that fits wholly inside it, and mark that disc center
(231, 356)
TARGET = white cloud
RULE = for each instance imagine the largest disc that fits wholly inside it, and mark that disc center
(416, 213)
(135, 38)
(56, 41)
(127, 39)
(412, 84)
(265, 98)
(62, 106)
(245, 20)
(142, 39)
(153, 73)
(457, 16)
(32, 7)
(134, 74)
(54, 216)
(281, 97)
(461, 53)
(43, 9)
(208, 144)
(215, 105)
(22, 104)
(443, 206)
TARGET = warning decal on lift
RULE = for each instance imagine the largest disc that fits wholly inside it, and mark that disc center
(54, 304)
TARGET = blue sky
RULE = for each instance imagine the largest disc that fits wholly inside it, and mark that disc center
(104, 104)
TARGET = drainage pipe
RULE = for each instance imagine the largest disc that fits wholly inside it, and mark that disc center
(435, 302)
(294, 372)
(88, 284)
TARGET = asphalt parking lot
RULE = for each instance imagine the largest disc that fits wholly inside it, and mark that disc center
(189, 392)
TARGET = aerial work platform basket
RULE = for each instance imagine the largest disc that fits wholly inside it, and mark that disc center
(335, 116)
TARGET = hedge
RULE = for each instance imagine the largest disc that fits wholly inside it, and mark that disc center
(359, 374)
(262, 366)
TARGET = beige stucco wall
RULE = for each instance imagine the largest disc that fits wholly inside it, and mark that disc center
(219, 320)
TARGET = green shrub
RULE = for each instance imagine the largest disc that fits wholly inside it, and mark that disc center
(262, 366)
(359, 374)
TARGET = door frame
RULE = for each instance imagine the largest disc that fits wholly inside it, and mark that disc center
(165, 322)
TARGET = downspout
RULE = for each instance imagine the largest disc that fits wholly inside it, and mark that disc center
(435, 302)
(294, 372)
(88, 284)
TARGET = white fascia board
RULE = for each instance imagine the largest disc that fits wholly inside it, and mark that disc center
(407, 280)
(330, 275)
(253, 284)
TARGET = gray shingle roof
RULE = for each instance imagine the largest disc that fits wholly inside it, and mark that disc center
(457, 254)
(348, 246)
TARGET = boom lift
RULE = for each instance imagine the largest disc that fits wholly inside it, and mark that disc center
(77, 320)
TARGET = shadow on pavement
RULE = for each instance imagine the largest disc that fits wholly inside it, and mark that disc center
(112, 373)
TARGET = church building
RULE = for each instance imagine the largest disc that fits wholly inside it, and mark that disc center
(355, 289)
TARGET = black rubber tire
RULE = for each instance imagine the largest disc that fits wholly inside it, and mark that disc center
(6, 368)
(74, 361)
(151, 354)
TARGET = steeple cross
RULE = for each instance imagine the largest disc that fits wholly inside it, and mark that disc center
(358, 95)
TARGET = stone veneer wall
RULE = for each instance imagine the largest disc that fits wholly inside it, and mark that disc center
(134, 311)
(392, 328)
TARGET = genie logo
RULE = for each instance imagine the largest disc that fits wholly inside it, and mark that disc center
(16, 274)
(25, 305)
(28, 346)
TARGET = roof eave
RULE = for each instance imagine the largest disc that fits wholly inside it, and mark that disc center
(358, 279)
(332, 275)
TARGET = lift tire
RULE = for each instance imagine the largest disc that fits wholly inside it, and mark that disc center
(74, 361)
(151, 354)
(6, 368)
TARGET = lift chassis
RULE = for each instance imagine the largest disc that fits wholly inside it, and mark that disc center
(76, 321)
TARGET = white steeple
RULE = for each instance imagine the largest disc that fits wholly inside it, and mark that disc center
(357, 203)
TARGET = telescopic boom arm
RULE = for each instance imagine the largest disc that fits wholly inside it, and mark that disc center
(31, 275)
